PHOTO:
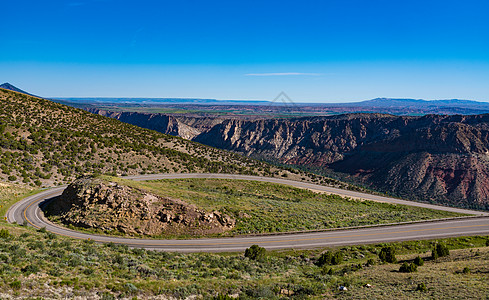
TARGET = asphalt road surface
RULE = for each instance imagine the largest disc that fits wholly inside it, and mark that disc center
(28, 210)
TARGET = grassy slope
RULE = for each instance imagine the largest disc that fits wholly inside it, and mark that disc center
(11, 193)
(264, 207)
(34, 263)
(45, 143)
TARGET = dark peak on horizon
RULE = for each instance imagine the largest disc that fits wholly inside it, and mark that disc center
(11, 87)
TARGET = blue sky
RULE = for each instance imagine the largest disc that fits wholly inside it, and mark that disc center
(315, 51)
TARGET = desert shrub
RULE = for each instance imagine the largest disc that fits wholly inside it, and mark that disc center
(371, 262)
(88, 271)
(328, 258)
(185, 291)
(327, 271)
(51, 235)
(421, 287)
(408, 268)
(418, 261)
(30, 269)
(260, 292)
(16, 284)
(255, 252)
(440, 250)
(466, 270)
(434, 254)
(388, 254)
(337, 258)
(55, 272)
(130, 288)
(325, 259)
(4, 258)
(4, 234)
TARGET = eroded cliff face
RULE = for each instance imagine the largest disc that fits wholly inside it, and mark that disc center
(111, 207)
(158, 122)
(434, 158)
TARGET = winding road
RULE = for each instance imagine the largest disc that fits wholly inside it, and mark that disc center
(29, 210)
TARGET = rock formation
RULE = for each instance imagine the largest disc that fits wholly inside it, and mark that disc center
(442, 159)
(111, 207)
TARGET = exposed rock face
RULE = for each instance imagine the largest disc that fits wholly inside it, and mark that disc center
(444, 159)
(159, 122)
(108, 206)
(439, 158)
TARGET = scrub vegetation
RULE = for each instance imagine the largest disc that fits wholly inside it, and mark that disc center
(59, 267)
(261, 207)
(44, 143)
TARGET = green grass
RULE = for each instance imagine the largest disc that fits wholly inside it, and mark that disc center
(46, 265)
(11, 193)
(261, 207)
(39, 264)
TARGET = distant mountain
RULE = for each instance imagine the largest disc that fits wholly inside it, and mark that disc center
(389, 102)
(409, 107)
(10, 87)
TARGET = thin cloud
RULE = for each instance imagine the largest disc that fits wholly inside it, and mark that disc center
(283, 74)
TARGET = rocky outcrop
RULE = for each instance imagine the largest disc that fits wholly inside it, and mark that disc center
(159, 122)
(112, 207)
(444, 159)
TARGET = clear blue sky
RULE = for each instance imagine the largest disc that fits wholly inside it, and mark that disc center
(315, 51)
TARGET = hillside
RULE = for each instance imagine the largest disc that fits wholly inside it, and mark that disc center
(45, 143)
(41, 264)
(436, 158)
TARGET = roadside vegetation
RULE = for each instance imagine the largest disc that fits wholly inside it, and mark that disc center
(54, 266)
(11, 193)
(57, 267)
(261, 207)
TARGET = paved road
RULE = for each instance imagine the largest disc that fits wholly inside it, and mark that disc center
(28, 210)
